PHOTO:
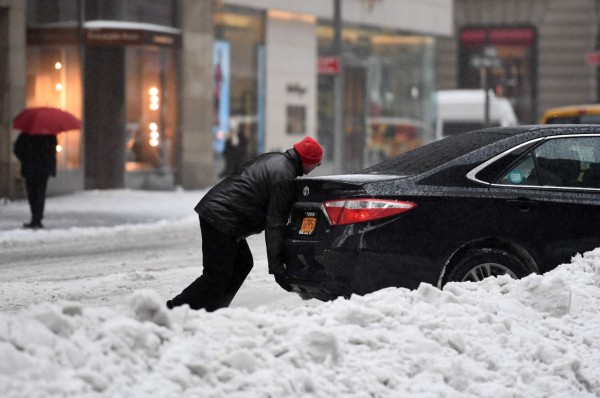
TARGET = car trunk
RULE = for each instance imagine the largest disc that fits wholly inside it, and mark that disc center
(310, 230)
(308, 217)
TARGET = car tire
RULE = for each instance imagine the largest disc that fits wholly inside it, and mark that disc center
(479, 264)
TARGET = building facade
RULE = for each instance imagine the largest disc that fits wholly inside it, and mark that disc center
(276, 56)
(161, 85)
(543, 51)
(120, 66)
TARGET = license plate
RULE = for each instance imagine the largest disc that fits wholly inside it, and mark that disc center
(309, 222)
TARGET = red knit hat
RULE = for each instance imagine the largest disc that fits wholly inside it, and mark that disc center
(309, 150)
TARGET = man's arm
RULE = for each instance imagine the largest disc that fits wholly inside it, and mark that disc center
(280, 204)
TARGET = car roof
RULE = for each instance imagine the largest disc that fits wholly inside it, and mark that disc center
(435, 154)
(543, 130)
(429, 157)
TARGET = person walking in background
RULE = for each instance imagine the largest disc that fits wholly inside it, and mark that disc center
(37, 154)
(256, 197)
(235, 152)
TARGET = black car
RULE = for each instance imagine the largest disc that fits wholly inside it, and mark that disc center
(508, 200)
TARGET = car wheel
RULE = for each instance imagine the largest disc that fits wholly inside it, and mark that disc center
(479, 264)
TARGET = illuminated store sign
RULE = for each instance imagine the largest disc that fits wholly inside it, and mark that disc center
(103, 37)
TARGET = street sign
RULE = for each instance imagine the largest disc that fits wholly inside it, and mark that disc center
(328, 65)
(478, 61)
(592, 58)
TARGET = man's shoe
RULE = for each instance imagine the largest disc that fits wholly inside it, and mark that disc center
(33, 225)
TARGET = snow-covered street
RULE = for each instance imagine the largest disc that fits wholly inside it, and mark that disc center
(121, 241)
(82, 314)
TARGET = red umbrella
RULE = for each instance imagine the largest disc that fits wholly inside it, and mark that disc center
(45, 120)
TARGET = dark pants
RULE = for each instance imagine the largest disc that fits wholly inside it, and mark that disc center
(36, 196)
(227, 262)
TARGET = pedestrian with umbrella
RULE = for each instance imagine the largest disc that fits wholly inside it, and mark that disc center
(36, 150)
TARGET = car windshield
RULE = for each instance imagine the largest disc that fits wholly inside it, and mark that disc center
(430, 156)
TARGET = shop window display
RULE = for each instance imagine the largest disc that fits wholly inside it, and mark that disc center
(54, 80)
(393, 72)
(151, 108)
(54, 77)
(238, 54)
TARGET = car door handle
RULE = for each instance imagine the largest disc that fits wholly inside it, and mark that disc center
(522, 204)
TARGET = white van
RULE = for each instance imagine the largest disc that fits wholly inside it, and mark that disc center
(459, 111)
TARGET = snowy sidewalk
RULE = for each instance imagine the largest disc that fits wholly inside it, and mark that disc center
(103, 209)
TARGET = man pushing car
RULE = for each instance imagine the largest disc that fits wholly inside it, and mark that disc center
(258, 196)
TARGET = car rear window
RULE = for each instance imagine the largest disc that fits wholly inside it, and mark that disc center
(430, 156)
(458, 127)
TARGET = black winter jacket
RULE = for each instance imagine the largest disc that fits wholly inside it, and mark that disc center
(256, 197)
(37, 154)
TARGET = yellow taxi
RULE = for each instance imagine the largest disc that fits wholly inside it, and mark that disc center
(573, 114)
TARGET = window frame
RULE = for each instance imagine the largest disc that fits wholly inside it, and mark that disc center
(535, 143)
(528, 155)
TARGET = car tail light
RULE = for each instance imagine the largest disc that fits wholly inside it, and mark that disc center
(350, 211)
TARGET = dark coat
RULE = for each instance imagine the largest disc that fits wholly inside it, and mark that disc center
(37, 154)
(235, 155)
(257, 197)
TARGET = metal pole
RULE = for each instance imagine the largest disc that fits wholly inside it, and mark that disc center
(486, 87)
(338, 87)
(82, 50)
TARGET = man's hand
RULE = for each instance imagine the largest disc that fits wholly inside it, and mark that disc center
(283, 281)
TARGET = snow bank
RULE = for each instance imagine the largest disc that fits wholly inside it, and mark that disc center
(535, 337)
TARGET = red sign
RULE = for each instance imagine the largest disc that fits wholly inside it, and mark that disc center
(328, 65)
(479, 37)
(592, 58)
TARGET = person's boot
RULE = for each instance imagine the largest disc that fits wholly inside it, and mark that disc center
(33, 225)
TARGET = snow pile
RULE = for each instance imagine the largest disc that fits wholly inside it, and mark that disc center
(535, 337)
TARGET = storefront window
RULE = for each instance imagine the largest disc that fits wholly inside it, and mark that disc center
(54, 80)
(130, 74)
(159, 12)
(513, 74)
(400, 86)
(238, 61)
(393, 76)
(151, 108)
(41, 12)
